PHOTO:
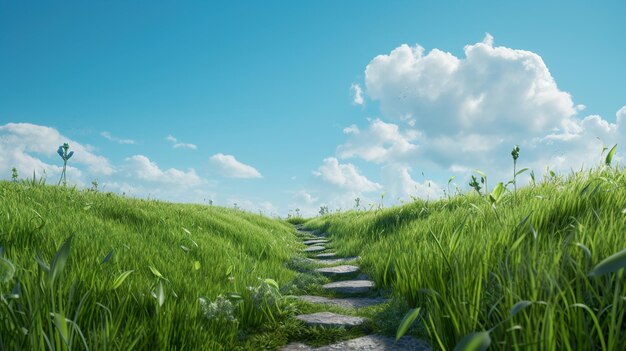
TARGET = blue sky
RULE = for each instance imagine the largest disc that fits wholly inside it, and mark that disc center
(257, 97)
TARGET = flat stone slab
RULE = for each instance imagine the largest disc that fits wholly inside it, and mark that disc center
(332, 260)
(326, 255)
(315, 248)
(350, 286)
(348, 302)
(296, 346)
(338, 270)
(329, 319)
(374, 342)
(315, 241)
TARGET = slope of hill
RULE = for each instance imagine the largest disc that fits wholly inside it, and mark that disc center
(93, 270)
(528, 267)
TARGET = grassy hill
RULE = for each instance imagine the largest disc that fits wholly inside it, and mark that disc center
(525, 269)
(94, 270)
(517, 265)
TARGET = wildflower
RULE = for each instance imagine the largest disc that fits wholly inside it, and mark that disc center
(62, 151)
(264, 294)
(219, 310)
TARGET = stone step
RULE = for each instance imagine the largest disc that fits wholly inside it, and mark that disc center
(350, 286)
(345, 269)
(315, 241)
(375, 342)
(315, 248)
(348, 302)
(331, 261)
(326, 255)
(329, 319)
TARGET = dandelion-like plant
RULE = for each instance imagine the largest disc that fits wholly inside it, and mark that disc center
(63, 152)
(515, 155)
(14, 174)
(474, 184)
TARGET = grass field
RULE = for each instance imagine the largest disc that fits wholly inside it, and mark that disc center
(515, 272)
(519, 270)
(89, 270)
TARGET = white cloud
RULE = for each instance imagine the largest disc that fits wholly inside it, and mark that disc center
(31, 147)
(24, 145)
(304, 197)
(142, 168)
(263, 207)
(621, 116)
(490, 90)
(110, 137)
(357, 94)
(176, 144)
(400, 185)
(352, 129)
(230, 167)
(345, 176)
(458, 114)
(379, 143)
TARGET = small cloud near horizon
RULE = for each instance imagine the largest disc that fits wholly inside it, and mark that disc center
(176, 144)
(232, 168)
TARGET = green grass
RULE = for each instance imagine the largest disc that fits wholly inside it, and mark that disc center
(467, 263)
(200, 252)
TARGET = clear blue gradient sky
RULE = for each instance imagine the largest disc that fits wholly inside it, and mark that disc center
(269, 83)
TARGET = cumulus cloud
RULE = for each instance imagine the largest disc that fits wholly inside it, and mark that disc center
(491, 90)
(379, 143)
(230, 167)
(400, 185)
(112, 138)
(458, 114)
(345, 176)
(262, 207)
(447, 115)
(30, 147)
(304, 197)
(176, 144)
(357, 94)
(621, 116)
(144, 169)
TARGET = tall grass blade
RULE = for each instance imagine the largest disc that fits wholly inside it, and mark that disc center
(61, 325)
(272, 282)
(478, 341)
(160, 294)
(7, 270)
(108, 256)
(42, 264)
(155, 272)
(610, 264)
(406, 322)
(609, 156)
(519, 307)
(120, 279)
(497, 192)
(58, 262)
(521, 171)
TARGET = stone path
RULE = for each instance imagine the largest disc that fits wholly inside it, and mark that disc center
(338, 271)
(331, 260)
(315, 248)
(369, 342)
(325, 255)
(349, 287)
(315, 241)
(347, 302)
